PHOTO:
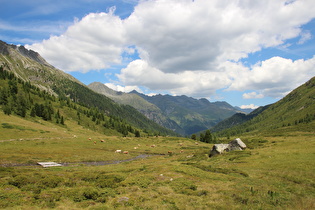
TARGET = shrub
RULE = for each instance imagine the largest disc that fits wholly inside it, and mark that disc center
(22, 180)
(110, 181)
(90, 193)
(51, 181)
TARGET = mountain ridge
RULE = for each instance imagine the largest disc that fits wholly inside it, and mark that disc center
(183, 114)
(31, 68)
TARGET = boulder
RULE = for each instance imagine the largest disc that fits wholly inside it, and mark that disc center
(218, 149)
(235, 144)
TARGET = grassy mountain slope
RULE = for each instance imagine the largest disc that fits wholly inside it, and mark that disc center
(295, 112)
(237, 119)
(148, 109)
(31, 68)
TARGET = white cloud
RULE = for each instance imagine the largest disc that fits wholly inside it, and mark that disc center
(250, 106)
(252, 95)
(94, 43)
(125, 89)
(305, 36)
(190, 47)
(274, 77)
(196, 84)
(182, 35)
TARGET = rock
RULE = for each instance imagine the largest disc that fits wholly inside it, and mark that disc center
(235, 144)
(218, 149)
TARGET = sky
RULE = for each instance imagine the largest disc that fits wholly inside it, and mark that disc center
(248, 53)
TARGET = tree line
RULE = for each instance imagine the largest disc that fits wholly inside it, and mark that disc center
(206, 137)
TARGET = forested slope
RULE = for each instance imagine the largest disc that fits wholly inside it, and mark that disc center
(23, 67)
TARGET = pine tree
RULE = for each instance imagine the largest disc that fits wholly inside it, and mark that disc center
(208, 137)
(33, 112)
(201, 137)
(3, 95)
(13, 87)
(137, 133)
(62, 122)
(7, 109)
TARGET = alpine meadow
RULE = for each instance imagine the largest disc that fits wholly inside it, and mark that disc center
(157, 105)
(111, 156)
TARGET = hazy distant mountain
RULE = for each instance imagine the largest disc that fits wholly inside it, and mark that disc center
(247, 111)
(182, 114)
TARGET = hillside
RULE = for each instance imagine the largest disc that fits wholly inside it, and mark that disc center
(295, 112)
(30, 68)
(274, 172)
(183, 114)
(237, 119)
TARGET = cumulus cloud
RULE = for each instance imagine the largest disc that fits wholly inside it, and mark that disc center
(198, 84)
(93, 43)
(274, 77)
(198, 35)
(190, 47)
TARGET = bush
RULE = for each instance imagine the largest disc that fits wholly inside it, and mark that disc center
(22, 180)
(51, 181)
(110, 181)
(90, 193)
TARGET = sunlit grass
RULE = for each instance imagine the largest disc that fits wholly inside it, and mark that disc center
(273, 173)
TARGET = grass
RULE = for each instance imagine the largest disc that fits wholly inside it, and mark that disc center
(275, 172)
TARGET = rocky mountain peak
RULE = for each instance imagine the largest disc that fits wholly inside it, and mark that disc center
(8, 49)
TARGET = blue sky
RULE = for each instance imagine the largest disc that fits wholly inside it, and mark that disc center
(248, 53)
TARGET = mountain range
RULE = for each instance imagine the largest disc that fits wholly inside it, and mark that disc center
(106, 109)
(182, 114)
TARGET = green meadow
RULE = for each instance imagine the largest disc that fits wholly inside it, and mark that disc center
(274, 172)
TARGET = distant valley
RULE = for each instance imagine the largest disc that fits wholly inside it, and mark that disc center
(182, 114)
(150, 115)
